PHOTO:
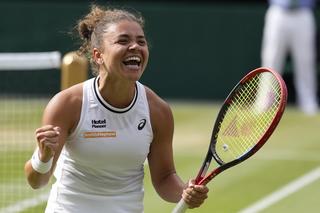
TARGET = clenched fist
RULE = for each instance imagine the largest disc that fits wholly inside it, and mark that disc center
(47, 137)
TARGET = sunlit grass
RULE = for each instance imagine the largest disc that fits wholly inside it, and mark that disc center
(292, 151)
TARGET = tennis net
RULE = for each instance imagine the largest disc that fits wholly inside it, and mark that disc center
(27, 82)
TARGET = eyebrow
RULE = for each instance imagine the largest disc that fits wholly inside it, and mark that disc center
(127, 36)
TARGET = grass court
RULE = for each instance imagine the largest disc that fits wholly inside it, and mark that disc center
(289, 155)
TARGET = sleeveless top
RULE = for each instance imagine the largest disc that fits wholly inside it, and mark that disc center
(101, 166)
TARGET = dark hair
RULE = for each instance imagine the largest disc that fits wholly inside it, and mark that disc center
(92, 27)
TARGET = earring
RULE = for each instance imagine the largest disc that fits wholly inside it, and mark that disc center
(100, 61)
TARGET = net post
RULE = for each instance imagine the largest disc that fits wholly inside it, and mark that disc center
(74, 69)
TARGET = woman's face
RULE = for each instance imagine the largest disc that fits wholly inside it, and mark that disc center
(125, 50)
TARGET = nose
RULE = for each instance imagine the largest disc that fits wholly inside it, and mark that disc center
(133, 46)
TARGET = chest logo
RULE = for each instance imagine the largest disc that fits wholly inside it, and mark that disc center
(142, 124)
(99, 123)
(109, 134)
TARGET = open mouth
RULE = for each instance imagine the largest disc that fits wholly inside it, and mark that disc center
(132, 61)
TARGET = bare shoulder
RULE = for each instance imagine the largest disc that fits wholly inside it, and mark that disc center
(157, 105)
(72, 95)
(160, 111)
(64, 108)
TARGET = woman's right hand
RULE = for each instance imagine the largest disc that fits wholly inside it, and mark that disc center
(47, 137)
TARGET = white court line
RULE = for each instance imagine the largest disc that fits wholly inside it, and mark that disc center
(25, 204)
(283, 192)
(258, 206)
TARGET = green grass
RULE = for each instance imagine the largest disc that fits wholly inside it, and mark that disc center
(292, 151)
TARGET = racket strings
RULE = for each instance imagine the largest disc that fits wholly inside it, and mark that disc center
(241, 100)
(248, 117)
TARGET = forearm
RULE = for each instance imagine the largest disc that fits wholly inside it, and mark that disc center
(170, 187)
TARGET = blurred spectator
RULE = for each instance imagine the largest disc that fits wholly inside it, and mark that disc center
(290, 29)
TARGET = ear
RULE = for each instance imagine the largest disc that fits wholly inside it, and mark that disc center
(97, 56)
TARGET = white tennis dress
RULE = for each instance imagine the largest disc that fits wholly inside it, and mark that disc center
(100, 168)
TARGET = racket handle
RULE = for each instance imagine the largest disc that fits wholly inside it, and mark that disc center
(181, 207)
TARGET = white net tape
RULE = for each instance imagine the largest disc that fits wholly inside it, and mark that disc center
(30, 60)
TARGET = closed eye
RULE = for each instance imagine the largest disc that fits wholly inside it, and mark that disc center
(142, 42)
(123, 41)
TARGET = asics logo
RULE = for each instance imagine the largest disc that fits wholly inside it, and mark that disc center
(142, 124)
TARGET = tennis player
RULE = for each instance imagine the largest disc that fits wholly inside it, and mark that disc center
(97, 135)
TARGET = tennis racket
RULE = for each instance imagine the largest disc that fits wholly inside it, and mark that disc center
(244, 123)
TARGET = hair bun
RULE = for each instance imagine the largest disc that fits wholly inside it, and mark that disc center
(85, 31)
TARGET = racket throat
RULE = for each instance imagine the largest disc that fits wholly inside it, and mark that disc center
(203, 173)
(204, 168)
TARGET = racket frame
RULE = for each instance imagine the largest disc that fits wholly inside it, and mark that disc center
(202, 178)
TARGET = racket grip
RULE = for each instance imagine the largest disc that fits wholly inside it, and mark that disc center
(181, 207)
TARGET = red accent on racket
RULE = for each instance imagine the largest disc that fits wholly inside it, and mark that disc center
(246, 120)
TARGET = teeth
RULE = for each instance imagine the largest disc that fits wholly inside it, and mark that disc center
(133, 58)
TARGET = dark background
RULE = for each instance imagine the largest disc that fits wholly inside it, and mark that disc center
(198, 49)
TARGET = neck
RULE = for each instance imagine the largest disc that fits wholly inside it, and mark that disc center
(117, 94)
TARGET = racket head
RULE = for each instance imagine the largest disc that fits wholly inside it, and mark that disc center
(246, 120)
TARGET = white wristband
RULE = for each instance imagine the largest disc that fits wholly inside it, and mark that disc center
(38, 165)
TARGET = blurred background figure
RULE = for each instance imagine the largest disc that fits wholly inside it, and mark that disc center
(290, 29)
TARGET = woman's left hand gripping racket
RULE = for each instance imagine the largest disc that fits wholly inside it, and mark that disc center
(246, 120)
